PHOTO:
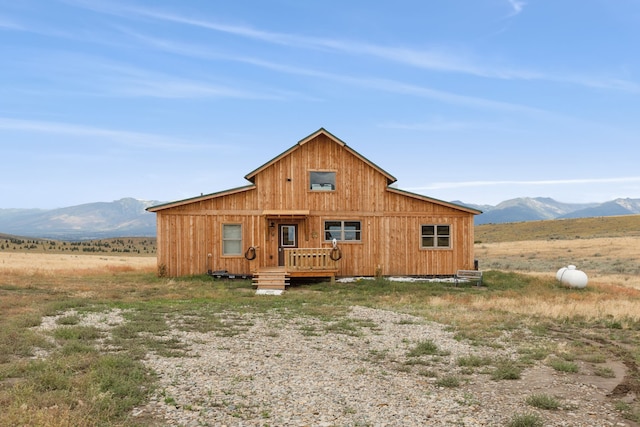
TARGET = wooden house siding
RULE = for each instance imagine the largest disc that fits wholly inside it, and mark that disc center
(190, 231)
(285, 183)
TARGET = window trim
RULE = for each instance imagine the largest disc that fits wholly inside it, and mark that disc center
(223, 240)
(435, 236)
(357, 232)
(322, 190)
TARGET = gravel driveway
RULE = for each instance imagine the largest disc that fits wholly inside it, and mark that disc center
(359, 371)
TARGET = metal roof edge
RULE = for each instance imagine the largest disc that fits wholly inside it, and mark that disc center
(390, 178)
(438, 201)
(199, 198)
(250, 175)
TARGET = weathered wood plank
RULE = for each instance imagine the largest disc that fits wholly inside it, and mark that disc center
(390, 221)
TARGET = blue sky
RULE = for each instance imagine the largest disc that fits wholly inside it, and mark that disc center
(476, 100)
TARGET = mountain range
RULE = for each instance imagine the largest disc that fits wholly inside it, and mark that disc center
(121, 218)
(128, 218)
(542, 208)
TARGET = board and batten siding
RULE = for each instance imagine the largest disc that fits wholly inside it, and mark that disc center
(192, 231)
(284, 185)
(391, 219)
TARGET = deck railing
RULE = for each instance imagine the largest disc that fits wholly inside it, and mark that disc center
(302, 259)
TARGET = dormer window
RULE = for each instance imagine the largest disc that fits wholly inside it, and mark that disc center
(322, 181)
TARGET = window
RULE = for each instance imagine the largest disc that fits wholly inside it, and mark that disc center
(288, 236)
(231, 239)
(322, 181)
(342, 230)
(436, 236)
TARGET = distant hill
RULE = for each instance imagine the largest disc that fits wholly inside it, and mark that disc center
(613, 208)
(560, 229)
(121, 218)
(128, 218)
(542, 208)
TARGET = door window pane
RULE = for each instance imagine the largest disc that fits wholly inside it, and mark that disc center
(288, 235)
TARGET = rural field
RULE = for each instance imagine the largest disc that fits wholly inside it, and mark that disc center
(98, 339)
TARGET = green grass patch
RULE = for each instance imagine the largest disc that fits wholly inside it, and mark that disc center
(529, 355)
(16, 341)
(344, 326)
(628, 411)
(448, 381)
(543, 401)
(423, 348)
(525, 420)
(72, 319)
(604, 372)
(75, 347)
(506, 370)
(83, 333)
(115, 393)
(473, 361)
(562, 365)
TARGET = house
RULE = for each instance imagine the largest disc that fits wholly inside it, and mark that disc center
(319, 209)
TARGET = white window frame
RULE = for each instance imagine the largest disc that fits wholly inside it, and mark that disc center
(225, 250)
(343, 232)
(438, 233)
(328, 183)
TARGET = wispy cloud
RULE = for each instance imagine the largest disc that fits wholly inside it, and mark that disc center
(441, 124)
(126, 138)
(448, 97)
(516, 6)
(386, 85)
(68, 71)
(6, 24)
(439, 59)
(603, 83)
(443, 59)
(124, 80)
(177, 88)
(39, 29)
(550, 182)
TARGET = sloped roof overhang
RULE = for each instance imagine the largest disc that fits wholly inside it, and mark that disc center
(200, 198)
(436, 201)
(390, 178)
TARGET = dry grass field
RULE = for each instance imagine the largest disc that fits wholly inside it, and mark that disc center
(607, 249)
(606, 260)
(551, 328)
(47, 264)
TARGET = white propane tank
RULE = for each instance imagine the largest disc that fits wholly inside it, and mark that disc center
(572, 277)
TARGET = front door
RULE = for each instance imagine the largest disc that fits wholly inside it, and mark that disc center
(287, 238)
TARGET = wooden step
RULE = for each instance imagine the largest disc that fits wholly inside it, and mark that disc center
(271, 279)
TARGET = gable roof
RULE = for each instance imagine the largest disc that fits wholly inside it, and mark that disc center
(322, 131)
(436, 201)
(200, 198)
(390, 179)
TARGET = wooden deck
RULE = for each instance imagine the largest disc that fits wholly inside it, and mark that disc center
(310, 260)
(298, 262)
